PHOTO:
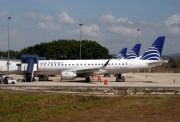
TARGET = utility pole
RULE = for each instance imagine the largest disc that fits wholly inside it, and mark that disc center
(8, 45)
(80, 42)
(137, 34)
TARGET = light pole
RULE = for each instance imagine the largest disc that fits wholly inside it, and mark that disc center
(8, 45)
(80, 42)
(137, 34)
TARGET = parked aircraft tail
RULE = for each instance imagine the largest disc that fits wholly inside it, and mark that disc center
(154, 52)
(134, 53)
(122, 54)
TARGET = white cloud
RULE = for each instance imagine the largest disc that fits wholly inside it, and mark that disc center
(173, 20)
(47, 17)
(109, 18)
(129, 32)
(86, 31)
(2, 14)
(173, 24)
(172, 30)
(143, 22)
(15, 37)
(92, 31)
(48, 26)
(65, 18)
(31, 15)
(124, 20)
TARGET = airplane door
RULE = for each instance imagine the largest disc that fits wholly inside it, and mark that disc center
(131, 64)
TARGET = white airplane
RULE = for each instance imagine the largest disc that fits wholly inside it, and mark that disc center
(71, 69)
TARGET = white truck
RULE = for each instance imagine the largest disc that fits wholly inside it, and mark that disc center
(6, 79)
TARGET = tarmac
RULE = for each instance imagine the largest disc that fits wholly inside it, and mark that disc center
(131, 79)
(146, 81)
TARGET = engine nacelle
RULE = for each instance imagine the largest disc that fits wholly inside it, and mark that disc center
(68, 75)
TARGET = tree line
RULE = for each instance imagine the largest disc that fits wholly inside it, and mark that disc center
(172, 63)
(63, 49)
(12, 54)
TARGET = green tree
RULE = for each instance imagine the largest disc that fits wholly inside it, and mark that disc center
(12, 54)
(68, 49)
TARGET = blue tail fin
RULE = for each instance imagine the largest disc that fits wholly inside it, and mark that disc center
(122, 54)
(134, 52)
(154, 52)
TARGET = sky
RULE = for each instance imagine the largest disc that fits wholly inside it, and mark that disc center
(112, 23)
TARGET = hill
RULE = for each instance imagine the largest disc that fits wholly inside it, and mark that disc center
(174, 56)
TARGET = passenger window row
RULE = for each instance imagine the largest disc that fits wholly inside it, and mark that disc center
(82, 64)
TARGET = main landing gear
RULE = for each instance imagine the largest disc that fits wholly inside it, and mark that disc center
(120, 78)
(88, 79)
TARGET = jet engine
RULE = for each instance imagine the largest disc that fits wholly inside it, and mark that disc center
(68, 75)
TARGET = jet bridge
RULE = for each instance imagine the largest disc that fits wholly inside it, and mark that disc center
(29, 64)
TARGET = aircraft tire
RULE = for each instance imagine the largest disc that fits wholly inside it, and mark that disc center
(5, 81)
(88, 79)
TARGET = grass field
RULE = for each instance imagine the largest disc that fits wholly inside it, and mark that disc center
(41, 107)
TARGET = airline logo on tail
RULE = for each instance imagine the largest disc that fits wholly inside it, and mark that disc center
(134, 53)
(154, 52)
(131, 55)
(122, 54)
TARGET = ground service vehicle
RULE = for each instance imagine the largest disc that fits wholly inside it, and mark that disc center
(7, 79)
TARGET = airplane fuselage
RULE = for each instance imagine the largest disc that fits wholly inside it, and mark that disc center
(55, 67)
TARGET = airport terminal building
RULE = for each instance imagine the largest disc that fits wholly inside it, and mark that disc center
(12, 64)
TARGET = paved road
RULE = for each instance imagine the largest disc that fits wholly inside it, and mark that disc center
(155, 80)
